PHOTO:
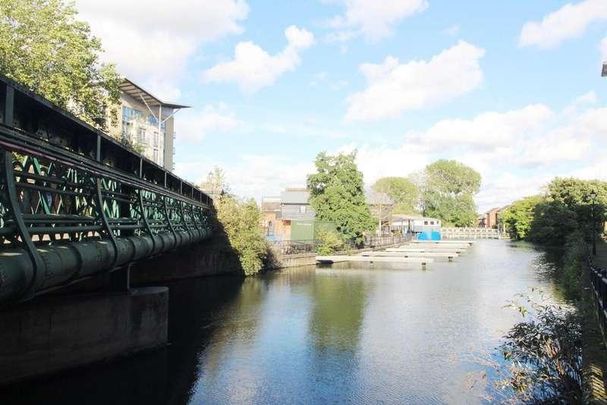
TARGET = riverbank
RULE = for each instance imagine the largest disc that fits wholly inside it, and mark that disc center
(593, 344)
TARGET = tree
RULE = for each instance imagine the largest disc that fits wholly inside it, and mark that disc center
(337, 195)
(215, 184)
(44, 47)
(402, 191)
(241, 221)
(568, 209)
(517, 218)
(448, 192)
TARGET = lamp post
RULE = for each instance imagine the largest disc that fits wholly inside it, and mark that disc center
(593, 220)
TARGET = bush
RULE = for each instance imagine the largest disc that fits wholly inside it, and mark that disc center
(545, 357)
(328, 242)
(240, 220)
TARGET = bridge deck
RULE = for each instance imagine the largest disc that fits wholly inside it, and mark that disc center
(75, 203)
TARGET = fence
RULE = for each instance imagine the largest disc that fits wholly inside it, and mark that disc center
(471, 233)
(292, 247)
(598, 279)
(377, 241)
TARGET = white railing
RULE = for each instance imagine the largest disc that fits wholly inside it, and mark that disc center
(471, 233)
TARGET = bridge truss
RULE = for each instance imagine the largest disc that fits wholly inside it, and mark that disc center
(75, 203)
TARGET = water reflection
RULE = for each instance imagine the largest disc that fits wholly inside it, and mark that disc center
(360, 334)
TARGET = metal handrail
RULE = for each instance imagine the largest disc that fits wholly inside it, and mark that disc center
(598, 281)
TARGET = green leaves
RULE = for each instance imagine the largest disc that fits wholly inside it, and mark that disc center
(518, 216)
(402, 191)
(448, 192)
(337, 195)
(240, 220)
(44, 47)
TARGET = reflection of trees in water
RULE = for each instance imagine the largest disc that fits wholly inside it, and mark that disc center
(338, 310)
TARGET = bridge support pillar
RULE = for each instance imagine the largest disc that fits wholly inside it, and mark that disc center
(53, 333)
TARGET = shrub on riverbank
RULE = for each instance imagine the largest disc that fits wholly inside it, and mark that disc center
(568, 207)
(575, 252)
(328, 242)
(240, 220)
(544, 357)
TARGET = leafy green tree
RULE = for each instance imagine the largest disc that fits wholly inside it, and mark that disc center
(402, 191)
(569, 208)
(241, 221)
(337, 195)
(518, 216)
(448, 192)
(45, 48)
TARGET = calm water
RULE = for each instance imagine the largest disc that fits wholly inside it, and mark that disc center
(344, 334)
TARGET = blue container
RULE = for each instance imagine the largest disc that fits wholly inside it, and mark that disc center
(429, 235)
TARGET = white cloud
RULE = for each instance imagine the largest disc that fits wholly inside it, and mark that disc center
(252, 176)
(516, 152)
(487, 130)
(394, 87)
(569, 21)
(603, 48)
(253, 68)
(192, 126)
(323, 80)
(152, 40)
(373, 19)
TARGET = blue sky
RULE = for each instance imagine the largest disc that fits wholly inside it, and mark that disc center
(512, 89)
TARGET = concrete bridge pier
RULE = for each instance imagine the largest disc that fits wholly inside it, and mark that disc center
(53, 333)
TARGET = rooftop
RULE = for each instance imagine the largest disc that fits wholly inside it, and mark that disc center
(130, 88)
(295, 196)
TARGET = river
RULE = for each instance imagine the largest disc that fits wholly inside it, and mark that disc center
(348, 333)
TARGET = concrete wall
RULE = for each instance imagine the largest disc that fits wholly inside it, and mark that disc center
(59, 332)
(296, 260)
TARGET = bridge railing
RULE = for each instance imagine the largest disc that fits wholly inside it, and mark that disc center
(598, 280)
(74, 202)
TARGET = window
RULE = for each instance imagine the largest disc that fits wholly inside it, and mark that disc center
(155, 139)
(155, 158)
(431, 222)
(425, 222)
(130, 114)
(302, 209)
(141, 135)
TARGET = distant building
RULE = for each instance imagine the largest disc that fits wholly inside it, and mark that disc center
(380, 205)
(420, 227)
(146, 123)
(490, 219)
(288, 217)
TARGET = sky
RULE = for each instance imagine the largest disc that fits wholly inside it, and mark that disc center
(510, 88)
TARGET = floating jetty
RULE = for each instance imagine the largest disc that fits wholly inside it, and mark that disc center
(422, 252)
(449, 255)
(369, 259)
(443, 242)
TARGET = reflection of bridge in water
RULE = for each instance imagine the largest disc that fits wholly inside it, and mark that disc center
(75, 203)
(471, 233)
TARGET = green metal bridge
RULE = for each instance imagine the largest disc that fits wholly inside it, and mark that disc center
(74, 203)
